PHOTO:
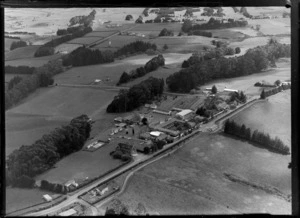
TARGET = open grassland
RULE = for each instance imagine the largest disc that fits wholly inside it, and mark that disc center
(65, 47)
(275, 115)
(192, 179)
(246, 83)
(17, 198)
(32, 62)
(175, 27)
(273, 26)
(267, 10)
(229, 34)
(101, 34)
(118, 41)
(21, 53)
(84, 40)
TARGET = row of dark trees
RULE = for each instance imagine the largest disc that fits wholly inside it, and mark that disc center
(260, 138)
(42, 77)
(274, 91)
(17, 44)
(48, 48)
(188, 26)
(14, 81)
(166, 32)
(135, 47)
(84, 56)
(31, 160)
(150, 66)
(18, 70)
(202, 71)
(137, 95)
(200, 33)
(53, 187)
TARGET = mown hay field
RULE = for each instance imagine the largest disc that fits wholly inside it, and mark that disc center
(21, 53)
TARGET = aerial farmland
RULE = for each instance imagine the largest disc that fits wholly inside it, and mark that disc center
(132, 111)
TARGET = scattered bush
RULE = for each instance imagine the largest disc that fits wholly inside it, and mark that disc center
(166, 32)
(129, 17)
(237, 50)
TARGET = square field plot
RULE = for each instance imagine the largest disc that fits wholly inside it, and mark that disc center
(85, 40)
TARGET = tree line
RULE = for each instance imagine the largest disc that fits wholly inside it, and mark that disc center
(137, 95)
(41, 77)
(210, 12)
(260, 138)
(48, 48)
(274, 91)
(213, 23)
(84, 56)
(53, 187)
(31, 160)
(166, 32)
(150, 66)
(17, 44)
(202, 71)
(83, 20)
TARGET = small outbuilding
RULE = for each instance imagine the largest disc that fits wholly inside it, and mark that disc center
(47, 197)
(155, 133)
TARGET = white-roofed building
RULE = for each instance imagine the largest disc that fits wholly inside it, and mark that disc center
(69, 212)
(155, 133)
(231, 90)
(47, 197)
(185, 114)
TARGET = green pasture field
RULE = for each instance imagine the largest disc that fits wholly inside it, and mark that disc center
(21, 53)
(8, 42)
(192, 180)
(100, 34)
(85, 40)
(31, 61)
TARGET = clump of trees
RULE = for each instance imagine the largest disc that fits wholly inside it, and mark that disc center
(137, 95)
(237, 50)
(17, 44)
(202, 111)
(41, 77)
(210, 12)
(139, 20)
(134, 47)
(213, 23)
(53, 187)
(84, 56)
(14, 81)
(83, 20)
(260, 138)
(214, 89)
(31, 160)
(202, 68)
(244, 11)
(44, 51)
(129, 17)
(150, 66)
(238, 96)
(166, 32)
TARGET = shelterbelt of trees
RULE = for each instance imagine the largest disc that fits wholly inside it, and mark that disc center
(48, 48)
(263, 139)
(41, 77)
(17, 44)
(202, 71)
(30, 160)
(274, 91)
(213, 23)
(137, 95)
(150, 66)
(85, 56)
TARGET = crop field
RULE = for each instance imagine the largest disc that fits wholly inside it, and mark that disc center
(192, 180)
(8, 42)
(32, 62)
(84, 40)
(277, 122)
(21, 53)
(246, 83)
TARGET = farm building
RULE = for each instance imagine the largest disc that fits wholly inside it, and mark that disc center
(231, 90)
(185, 114)
(141, 147)
(286, 83)
(69, 212)
(122, 125)
(145, 136)
(71, 183)
(155, 133)
(47, 197)
(132, 118)
(162, 112)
